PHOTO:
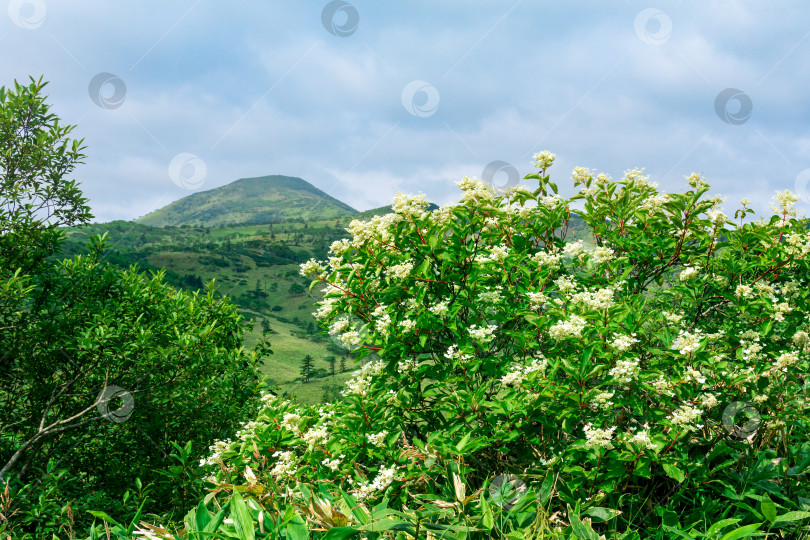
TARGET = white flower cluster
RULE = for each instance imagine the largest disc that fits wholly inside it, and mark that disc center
(216, 449)
(780, 309)
(694, 375)
(797, 244)
(284, 464)
(475, 190)
(786, 201)
(518, 373)
(595, 301)
(687, 343)
(696, 181)
(602, 255)
(316, 435)
(482, 334)
(662, 386)
(625, 371)
(359, 384)
(401, 271)
(496, 254)
(544, 258)
(439, 309)
(598, 437)
(491, 296)
(573, 327)
(574, 249)
(654, 203)
(785, 360)
(543, 160)
(623, 343)
(340, 247)
(565, 284)
(800, 338)
(743, 291)
(409, 205)
(327, 305)
(247, 431)
(638, 179)
(312, 268)
(580, 175)
(686, 417)
(290, 421)
(602, 400)
(717, 217)
(349, 339)
(708, 401)
(642, 438)
(377, 439)
(536, 299)
(688, 274)
(380, 483)
(339, 325)
(407, 365)
(549, 201)
(333, 464)
(454, 353)
(673, 318)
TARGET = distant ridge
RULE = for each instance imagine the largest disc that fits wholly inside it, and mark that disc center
(263, 199)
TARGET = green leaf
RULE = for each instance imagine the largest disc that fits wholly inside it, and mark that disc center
(242, 520)
(789, 517)
(600, 514)
(297, 528)
(486, 514)
(742, 532)
(340, 533)
(768, 510)
(673, 472)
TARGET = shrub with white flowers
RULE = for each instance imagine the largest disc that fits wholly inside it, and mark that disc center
(491, 342)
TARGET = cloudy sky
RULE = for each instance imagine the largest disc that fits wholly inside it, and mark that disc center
(367, 98)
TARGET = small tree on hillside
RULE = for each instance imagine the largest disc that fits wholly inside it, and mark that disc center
(306, 368)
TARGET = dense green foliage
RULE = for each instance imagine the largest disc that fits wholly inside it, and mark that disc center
(102, 370)
(650, 386)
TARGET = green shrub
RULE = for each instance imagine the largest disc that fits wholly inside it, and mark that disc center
(523, 385)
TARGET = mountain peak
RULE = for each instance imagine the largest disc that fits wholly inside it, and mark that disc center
(262, 199)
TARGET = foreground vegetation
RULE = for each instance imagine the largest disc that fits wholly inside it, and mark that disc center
(513, 383)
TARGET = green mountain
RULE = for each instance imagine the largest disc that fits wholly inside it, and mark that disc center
(266, 199)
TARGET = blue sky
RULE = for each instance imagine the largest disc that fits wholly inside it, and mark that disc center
(367, 98)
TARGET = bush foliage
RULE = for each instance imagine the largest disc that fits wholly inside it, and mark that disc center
(516, 383)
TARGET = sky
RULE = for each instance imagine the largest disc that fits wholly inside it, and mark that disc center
(364, 98)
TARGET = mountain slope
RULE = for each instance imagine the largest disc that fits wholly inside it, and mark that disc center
(265, 199)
